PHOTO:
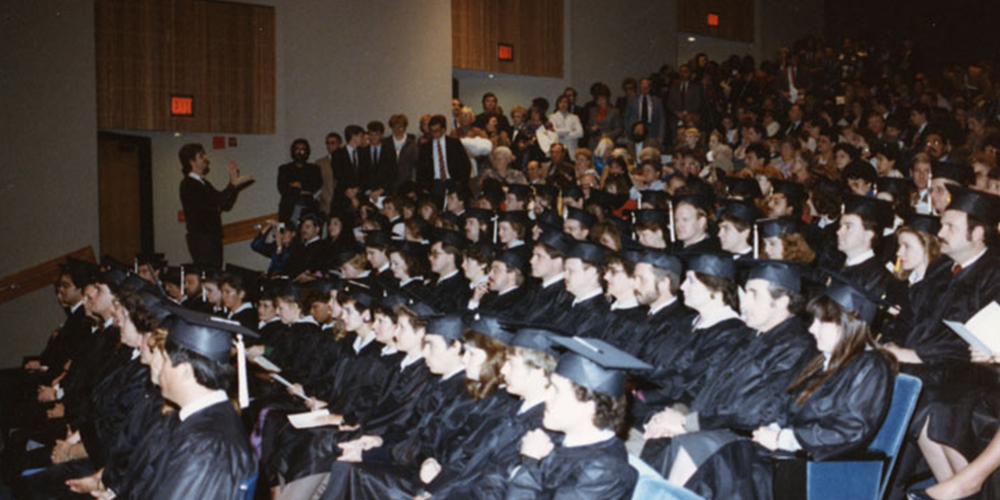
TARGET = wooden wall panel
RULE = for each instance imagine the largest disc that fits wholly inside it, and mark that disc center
(736, 18)
(39, 276)
(533, 27)
(223, 54)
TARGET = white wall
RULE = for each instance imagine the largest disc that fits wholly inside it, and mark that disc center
(337, 63)
(48, 154)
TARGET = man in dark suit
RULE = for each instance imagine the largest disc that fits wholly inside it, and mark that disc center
(404, 149)
(351, 168)
(442, 158)
(648, 109)
(203, 204)
(381, 156)
(684, 97)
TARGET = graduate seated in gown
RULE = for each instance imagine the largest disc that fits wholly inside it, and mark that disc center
(531, 359)
(840, 400)
(585, 403)
(204, 452)
(748, 390)
(91, 443)
(446, 435)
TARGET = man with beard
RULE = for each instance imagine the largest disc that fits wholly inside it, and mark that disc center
(298, 182)
(203, 204)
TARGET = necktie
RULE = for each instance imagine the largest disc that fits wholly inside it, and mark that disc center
(684, 90)
(375, 155)
(644, 113)
(354, 159)
(955, 269)
(442, 171)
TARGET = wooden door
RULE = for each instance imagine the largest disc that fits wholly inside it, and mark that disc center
(125, 195)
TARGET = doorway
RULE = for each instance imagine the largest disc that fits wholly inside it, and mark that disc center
(125, 195)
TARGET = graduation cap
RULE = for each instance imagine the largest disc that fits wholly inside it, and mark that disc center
(606, 200)
(784, 274)
(361, 293)
(596, 365)
(651, 216)
(514, 259)
(587, 252)
(660, 259)
(451, 238)
(573, 192)
(546, 190)
(550, 219)
(379, 239)
(423, 309)
(871, 209)
(516, 217)
(156, 305)
(721, 266)
(521, 191)
(979, 205)
(778, 226)
(583, 216)
(655, 197)
(80, 269)
(172, 274)
(827, 186)
(213, 338)
(114, 274)
(157, 260)
(343, 256)
(697, 200)
(853, 299)
(898, 187)
(450, 326)
(929, 224)
(746, 187)
(794, 192)
(487, 248)
(861, 170)
(480, 214)
(325, 286)
(556, 240)
(251, 278)
(887, 149)
(534, 336)
(287, 288)
(962, 174)
(742, 210)
(490, 325)
(211, 274)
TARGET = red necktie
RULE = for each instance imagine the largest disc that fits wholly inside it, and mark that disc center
(442, 172)
(955, 269)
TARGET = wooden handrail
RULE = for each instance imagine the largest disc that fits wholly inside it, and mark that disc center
(38, 276)
(243, 230)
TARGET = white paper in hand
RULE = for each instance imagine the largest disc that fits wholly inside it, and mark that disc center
(266, 364)
(981, 331)
(281, 380)
(309, 419)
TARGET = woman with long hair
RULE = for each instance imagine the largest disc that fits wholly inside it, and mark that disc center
(835, 405)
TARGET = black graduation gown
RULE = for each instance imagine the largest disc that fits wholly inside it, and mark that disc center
(710, 244)
(545, 302)
(485, 474)
(748, 389)
(248, 318)
(840, 417)
(205, 456)
(659, 327)
(503, 306)
(392, 470)
(68, 342)
(396, 408)
(111, 402)
(687, 373)
(874, 277)
(451, 295)
(311, 257)
(587, 318)
(598, 471)
(623, 324)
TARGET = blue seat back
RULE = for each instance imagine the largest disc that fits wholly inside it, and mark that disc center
(249, 487)
(890, 436)
(652, 486)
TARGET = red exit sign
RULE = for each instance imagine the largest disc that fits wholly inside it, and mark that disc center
(181, 105)
(713, 19)
(505, 52)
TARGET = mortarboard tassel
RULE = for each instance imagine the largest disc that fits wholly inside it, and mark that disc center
(241, 370)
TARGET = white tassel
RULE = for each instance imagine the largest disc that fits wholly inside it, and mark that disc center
(241, 370)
